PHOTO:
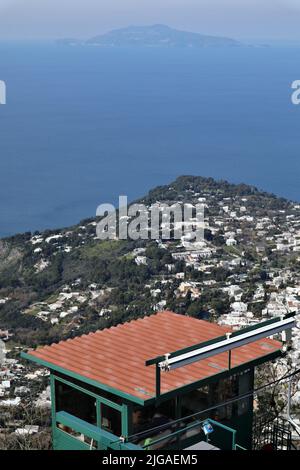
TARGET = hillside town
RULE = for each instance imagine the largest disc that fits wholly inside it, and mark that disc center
(245, 271)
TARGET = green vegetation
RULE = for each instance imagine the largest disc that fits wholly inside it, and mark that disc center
(38, 269)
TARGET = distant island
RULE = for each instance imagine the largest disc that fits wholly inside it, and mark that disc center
(153, 36)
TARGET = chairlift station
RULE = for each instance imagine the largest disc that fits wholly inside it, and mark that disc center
(160, 382)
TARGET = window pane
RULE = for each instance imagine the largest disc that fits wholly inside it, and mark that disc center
(195, 401)
(192, 403)
(91, 388)
(111, 420)
(153, 423)
(76, 403)
(244, 387)
(223, 391)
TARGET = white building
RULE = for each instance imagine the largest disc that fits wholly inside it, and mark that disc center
(239, 307)
(141, 260)
(2, 352)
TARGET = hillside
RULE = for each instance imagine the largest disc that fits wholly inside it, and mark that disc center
(61, 283)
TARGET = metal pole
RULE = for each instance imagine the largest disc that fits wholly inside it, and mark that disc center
(290, 419)
(289, 398)
(157, 380)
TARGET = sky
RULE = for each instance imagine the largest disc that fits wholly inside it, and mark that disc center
(240, 19)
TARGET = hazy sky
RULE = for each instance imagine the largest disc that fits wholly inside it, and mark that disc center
(248, 19)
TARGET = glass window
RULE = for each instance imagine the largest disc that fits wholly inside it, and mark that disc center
(153, 423)
(244, 387)
(111, 420)
(195, 401)
(91, 388)
(221, 392)
(208, 396)
(76, 403)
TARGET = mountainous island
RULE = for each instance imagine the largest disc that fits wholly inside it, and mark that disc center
(153, 36)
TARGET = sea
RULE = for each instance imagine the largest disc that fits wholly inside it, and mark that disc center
(84, 124)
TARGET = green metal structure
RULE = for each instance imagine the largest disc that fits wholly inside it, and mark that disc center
(107, 419)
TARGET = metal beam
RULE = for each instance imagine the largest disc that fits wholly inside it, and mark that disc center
(157, 380)
(228, 344)
(179, 352)
(189, 387)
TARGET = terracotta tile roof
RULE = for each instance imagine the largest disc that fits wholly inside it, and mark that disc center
(116, 356)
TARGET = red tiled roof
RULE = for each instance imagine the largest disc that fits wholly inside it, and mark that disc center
(116, 356)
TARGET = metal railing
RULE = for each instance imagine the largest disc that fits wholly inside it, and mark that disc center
(97, 437)
(272, 432)
(222, 436)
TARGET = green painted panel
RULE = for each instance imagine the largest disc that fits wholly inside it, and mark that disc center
(104, 439)
(63, 441)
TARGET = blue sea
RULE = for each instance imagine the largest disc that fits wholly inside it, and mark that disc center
(85, 124)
